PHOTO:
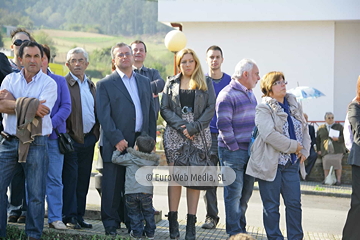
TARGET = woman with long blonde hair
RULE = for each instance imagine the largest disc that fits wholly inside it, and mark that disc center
(187, 105)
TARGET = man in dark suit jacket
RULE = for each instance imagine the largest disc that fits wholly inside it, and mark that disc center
(125, 108)
(310, 161)
(157, 83)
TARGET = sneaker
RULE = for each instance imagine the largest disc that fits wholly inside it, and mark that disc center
(21, 219)
(210, 223)
(58, 225)
(132, 236)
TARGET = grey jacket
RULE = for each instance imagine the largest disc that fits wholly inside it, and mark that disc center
(133, 160)
(204, 106)
(354, 119)
(265, 151)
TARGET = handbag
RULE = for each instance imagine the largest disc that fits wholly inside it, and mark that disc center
(330, 178)
(65, 142)
(191, 156)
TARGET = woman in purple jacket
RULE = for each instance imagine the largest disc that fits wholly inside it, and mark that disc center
(59, 114)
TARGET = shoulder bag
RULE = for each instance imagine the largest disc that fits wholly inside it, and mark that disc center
(65, 142)
(191, 156)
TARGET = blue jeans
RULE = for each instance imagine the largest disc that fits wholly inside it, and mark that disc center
(17, 201)
(140, 207)
(35, 168)
(237, 194)
(286, 183)
(54, 186)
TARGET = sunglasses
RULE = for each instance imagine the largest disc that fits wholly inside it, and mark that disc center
(330, 118)
(18, 42)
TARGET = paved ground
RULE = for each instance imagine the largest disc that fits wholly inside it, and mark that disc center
(309, 188)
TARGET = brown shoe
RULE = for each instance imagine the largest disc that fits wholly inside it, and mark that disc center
(13, 219)
(21, 219)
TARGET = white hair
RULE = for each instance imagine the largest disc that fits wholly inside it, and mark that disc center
(244, 65)
(77, 50)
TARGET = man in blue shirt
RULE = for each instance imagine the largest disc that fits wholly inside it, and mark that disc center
(214, 59)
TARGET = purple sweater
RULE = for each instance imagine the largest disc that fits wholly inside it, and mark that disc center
(225, 80)
(235, 111)
(62, 107)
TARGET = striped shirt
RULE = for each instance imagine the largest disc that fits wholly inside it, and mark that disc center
(235, 110)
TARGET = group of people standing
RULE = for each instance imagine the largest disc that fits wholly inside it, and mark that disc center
(231, 113)
(223, 109)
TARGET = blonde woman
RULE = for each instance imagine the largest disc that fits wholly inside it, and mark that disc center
(282, 144)
(188, 101)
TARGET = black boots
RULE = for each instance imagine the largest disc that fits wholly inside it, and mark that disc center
(173, 225)
(190, 227)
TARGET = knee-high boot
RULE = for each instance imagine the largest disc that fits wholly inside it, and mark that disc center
(190, 227)
(173, 225)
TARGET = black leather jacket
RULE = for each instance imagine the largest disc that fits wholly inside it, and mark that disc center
(204, 106)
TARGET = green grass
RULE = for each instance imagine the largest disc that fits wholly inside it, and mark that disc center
(15, 233)
(318, 188)
(88, 39)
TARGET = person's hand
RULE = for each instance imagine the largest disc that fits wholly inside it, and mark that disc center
(301, 157)
(42, 109)
(319, 152)
(298, 149)
(122, 145)
(155, 95)
(335, 139)
(6, 95)
(186, 133)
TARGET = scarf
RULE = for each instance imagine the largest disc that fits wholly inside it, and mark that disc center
(285, 106)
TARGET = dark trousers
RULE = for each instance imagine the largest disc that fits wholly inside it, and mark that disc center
(210, 197)
(351, 229)
(17, 201)
(310, 161)
(140, 207)
(76, 178)
(112, 198)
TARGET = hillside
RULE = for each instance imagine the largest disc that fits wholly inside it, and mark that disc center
(157, 54)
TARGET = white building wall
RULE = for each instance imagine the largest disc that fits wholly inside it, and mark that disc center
(303, 51)
(314, 42)
(257, 10)
(347, 64)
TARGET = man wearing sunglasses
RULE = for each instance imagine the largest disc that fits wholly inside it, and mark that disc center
(18, 37)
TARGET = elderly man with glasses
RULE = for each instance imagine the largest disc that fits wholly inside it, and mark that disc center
(83, 127)
(331, 146)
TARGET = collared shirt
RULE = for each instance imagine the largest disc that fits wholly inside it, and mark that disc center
(131, 86)
(41, 87)
(14, 67)
(248, 91)
(87, 104)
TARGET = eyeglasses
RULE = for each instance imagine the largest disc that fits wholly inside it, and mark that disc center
(74, 61)
(18, 42)
(280, 83)
(330, 118)
(122, 55)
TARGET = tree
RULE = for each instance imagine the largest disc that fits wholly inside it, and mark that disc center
(1, 41)
(43, 38)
